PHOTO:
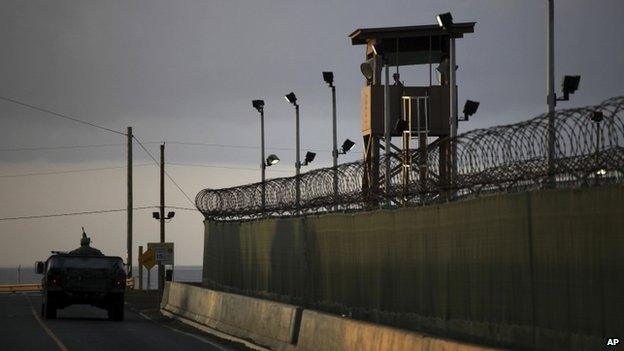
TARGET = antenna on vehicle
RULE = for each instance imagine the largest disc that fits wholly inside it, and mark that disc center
(85, 240)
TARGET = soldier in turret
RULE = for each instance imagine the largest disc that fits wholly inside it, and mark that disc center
(85, 249)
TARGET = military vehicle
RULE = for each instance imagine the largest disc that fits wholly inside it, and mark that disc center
(82, 276)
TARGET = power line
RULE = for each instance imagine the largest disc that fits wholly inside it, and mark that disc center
(60, 147)
(233, 146)
(60, 115)
(166, 173)
(68, 171)
(93, 212)
(238, 146)
(222, 167)
(182, 208)
(74, 213)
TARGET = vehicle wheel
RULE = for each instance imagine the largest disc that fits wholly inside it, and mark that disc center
(49, 310)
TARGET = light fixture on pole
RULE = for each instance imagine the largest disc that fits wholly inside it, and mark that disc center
(569, 85)
(347, 145)
(259, 105)
(170, 215)
(272, 160)
(445, 20)
(309, 157)
(470, 108)
(292, 99)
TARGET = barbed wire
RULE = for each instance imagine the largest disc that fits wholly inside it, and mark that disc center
(498, 159)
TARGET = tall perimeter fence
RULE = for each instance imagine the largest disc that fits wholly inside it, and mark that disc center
(538, 270)
(493, 160)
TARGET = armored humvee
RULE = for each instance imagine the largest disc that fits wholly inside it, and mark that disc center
(82, 276)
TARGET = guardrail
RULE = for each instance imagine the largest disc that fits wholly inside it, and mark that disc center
(130, 283)
(13, 288)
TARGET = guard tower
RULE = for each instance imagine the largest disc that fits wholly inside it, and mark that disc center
(393, 109)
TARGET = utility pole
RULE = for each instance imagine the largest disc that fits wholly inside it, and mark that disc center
(161, 270)
(129, 202)
(550, 90)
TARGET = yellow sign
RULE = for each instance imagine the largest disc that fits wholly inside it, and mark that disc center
(148, 259)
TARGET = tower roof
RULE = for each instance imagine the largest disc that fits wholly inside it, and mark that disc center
(411, 45)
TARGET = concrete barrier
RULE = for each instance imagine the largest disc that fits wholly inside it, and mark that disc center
(284, 327)
(325, 332)
(265, 323)
(13, 288)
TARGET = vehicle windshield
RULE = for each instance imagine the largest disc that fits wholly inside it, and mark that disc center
(86, 262)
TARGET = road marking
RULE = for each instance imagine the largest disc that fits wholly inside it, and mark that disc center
(206, 341)
(58, 342)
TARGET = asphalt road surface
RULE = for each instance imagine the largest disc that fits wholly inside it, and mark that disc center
(87, 328)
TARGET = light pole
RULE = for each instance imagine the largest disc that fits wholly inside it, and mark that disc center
(259, 105)
(550, 90)
(129, 201)
(292, 98)
(328, 77)
(445, 21)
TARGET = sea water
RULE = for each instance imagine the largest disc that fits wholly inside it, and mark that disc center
(27, 275)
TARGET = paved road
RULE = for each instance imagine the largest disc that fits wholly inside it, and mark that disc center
(87, 328)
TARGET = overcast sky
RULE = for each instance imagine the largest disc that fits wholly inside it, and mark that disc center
(187, 71)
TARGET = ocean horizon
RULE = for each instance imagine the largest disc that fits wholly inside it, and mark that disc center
(27, 275)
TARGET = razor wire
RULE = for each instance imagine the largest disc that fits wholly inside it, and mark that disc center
(492, 160)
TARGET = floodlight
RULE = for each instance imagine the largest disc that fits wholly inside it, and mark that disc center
(601, 172)
(258, 104)
(309, 157)
(367, 70)
(347, 146)
(156, 215)
(292, 98)
(328, 77)
(272, 160)
(570, 84)
(401, 126)
(445, 20)
(170, 214)
(470, 108)
(596, 116)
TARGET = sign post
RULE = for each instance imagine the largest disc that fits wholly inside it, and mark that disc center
(147, 259)
(140, 268)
